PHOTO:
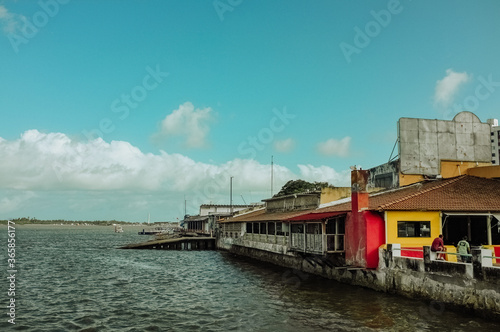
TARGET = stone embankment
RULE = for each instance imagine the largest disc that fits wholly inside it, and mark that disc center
(473, 287)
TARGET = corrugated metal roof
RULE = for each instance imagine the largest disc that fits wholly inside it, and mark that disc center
(316, 216)
(261, 215)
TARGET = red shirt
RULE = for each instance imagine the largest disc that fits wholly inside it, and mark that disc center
(437, 244)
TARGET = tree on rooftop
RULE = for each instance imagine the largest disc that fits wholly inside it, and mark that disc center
(301, 186)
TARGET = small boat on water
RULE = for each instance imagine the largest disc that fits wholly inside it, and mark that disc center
(118, 229)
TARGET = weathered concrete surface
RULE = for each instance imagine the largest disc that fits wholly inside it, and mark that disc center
(166, 243)
(449, 284)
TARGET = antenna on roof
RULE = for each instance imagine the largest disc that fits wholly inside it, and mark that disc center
(393, 148)
(231, 194)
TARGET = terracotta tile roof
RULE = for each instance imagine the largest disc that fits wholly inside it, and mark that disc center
(463, 193)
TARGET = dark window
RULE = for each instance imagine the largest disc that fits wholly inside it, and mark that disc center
(297, 228)
(330, 227)
(383, 180)
(313, 229)
(249, 227)
(263, 228)
(336, 226)
(279, 229)
(256, 228)
(414, 229)
(341, 225)
(270, 228)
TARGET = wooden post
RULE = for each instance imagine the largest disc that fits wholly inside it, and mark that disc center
(488, 229)
(305, 237)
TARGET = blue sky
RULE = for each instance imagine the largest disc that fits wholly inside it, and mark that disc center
(185, 94)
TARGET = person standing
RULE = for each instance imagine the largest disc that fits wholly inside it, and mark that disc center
(463, 249)
(438, 245)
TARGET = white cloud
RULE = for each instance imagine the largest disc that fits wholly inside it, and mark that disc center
(189, 123)
(106, 180)
(447, 88)
(333, 147)
(53, 161)
(285, 145)
(10, 22)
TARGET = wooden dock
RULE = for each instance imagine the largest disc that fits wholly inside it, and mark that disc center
(183, 243)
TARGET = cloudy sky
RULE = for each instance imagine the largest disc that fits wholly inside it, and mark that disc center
(117, 109)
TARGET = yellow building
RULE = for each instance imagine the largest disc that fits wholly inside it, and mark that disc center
(416, 214)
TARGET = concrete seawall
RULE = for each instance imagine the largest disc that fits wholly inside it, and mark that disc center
(456, 285)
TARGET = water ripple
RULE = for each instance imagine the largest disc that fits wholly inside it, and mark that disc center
(76, 280)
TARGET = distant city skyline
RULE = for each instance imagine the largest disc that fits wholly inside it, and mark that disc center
(113, 110)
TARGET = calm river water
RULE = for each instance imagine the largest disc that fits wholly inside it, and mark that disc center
(73, 278)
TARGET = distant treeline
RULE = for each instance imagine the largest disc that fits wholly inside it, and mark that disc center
(30, 221)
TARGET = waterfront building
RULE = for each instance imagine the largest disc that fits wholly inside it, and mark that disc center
(272, 227)
(209, 214)
(350, 231)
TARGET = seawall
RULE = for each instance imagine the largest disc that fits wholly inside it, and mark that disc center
(461, 286)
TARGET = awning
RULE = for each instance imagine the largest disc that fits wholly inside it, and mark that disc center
(485, 214)
(316, 216)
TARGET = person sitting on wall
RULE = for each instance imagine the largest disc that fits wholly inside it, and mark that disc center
(463, 249)
(438, 245)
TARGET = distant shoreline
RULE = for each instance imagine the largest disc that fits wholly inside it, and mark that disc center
(85, 223)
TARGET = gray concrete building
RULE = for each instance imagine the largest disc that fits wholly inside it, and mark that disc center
(495, 141)
(435, 148)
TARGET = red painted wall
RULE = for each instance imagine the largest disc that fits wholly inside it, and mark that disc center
(355, 241)
(375, 237)
(365, 233)
(365, 230)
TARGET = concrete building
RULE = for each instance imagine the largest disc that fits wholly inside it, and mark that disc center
(495, 141)
(209, 214)
(430, 149)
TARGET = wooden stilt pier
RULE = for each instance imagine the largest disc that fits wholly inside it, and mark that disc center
(183, 243)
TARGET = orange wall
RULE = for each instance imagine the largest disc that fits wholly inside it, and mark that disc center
(407, 179)
(485, 172)
(450, 169)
